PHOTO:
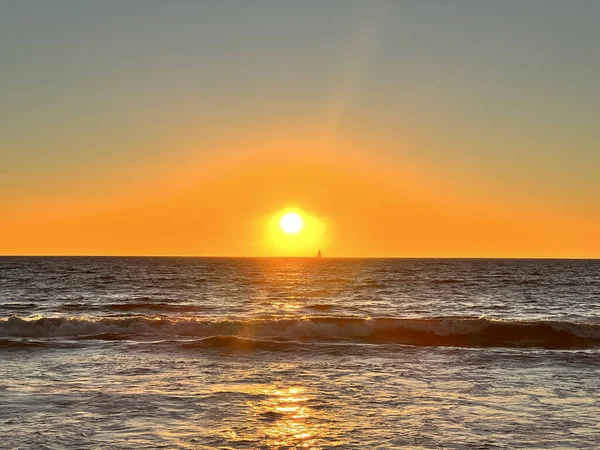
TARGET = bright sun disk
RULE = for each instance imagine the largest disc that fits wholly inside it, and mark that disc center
(291, 223)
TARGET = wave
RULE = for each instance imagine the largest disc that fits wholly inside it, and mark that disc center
(19, 306)
(167, 307)
(235, 343)
(140, 305)
(25, 344)
(319, 307)
(442, 331)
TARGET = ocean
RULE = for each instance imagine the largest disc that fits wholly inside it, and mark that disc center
(110, 352)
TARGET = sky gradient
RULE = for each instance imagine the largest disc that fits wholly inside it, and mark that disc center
(401, 128)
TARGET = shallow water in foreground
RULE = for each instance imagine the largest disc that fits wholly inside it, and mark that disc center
(267, 353)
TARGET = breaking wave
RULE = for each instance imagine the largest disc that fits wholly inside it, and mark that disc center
(443, 331)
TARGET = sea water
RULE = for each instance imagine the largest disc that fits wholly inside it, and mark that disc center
(299, 353)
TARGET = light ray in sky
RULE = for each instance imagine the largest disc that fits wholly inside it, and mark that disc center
(354, 65)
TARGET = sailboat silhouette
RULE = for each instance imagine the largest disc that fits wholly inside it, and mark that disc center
(319, 254)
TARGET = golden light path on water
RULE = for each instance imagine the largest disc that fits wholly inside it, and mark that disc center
(293, 421)
(280, 416)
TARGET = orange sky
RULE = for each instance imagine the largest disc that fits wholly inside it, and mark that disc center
(224, 202)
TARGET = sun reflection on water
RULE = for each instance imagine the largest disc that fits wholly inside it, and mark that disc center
(287, 419)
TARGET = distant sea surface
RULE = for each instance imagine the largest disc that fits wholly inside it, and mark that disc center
(299, 353)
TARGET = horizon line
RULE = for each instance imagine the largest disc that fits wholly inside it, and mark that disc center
(297, 257)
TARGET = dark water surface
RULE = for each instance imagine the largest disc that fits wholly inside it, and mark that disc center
(307, 353)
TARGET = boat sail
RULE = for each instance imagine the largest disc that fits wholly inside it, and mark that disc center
(319, 254)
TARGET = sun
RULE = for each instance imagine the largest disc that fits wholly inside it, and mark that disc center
(293, 231)
(291, 223)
